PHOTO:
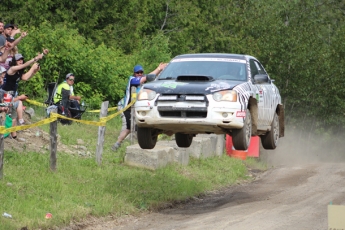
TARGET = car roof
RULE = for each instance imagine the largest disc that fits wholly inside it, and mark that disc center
(215, 55)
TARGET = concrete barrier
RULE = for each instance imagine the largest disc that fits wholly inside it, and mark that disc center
(165, 152)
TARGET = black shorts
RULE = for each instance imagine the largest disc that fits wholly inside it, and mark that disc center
(127, 114)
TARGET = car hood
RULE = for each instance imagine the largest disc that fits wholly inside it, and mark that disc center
(192, 87)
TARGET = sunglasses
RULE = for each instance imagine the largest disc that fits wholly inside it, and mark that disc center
(139, 72)
(71, 79)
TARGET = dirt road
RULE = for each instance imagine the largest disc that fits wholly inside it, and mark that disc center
(293, 197)
(293, 194)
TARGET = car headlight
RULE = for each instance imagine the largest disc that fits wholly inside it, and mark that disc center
(146, 94)
(227, 95)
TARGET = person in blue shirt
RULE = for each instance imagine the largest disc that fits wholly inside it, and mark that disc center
(137, 79)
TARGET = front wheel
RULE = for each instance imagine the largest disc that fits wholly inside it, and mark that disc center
(147, 138)
(183, 140)
(241, 137)
(270, 139)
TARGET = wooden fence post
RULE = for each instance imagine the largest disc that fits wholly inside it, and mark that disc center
(53, 144)
(2, 123)
(101, 132)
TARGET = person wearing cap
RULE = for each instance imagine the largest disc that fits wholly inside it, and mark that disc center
(8, 30)
(9, 49)
(68, 85)
(137, 79)
(15, 74)
(17, 100)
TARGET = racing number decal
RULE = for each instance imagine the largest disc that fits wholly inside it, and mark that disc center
(241, 114)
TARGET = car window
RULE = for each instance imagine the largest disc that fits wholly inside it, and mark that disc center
(260, 68)
(225, 70)
(256, 68)
(253, 68)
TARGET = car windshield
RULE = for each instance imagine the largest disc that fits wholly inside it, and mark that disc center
(219, 69)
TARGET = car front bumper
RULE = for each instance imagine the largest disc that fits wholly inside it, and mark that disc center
(189, 117)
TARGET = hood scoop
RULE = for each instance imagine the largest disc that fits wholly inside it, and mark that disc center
(190, 78)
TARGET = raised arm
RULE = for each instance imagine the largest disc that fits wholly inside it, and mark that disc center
(156, 71)
(22, 35)
(13, 69)
(161, 66)
(34, 69)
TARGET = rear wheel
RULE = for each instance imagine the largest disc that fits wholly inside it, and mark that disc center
(183, 140)
(147, 138)
(241, 137)
(270, 139)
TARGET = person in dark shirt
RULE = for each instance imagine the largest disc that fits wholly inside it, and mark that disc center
(15, 74)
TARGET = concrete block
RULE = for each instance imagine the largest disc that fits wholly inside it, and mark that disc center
(220, 145)
(181, 155)
(206, 145)
(152, 159)
(201, 147)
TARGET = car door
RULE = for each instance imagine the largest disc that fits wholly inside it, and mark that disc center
(265, 94)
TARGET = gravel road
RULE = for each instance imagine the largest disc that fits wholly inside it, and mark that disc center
(293, 194)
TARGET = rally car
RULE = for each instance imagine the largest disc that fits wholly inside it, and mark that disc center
(210, 93)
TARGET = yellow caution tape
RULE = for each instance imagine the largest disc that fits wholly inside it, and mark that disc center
(105, 119)
(95, 123)
(3, 130)
(98, 110)
(44, 105)
(35, 103)
(55, 116)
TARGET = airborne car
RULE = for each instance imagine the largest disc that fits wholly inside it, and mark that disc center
(210, 93)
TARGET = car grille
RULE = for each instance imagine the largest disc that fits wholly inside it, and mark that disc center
(182, 106)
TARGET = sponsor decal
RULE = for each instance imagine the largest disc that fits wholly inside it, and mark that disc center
(172, 85)
(241, 114)
(216, 87)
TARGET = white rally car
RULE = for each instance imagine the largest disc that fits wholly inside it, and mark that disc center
(210, 93)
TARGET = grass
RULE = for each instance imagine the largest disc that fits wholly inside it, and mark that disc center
(80, 188)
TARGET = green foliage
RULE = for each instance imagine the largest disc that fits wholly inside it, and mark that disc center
(300, 43)
(101, 72)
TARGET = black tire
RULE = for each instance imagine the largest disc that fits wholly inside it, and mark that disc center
(270, 139)
(241, 137)
(147, 138)
(183, 140)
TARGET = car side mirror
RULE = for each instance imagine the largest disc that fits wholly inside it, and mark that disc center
(261, 78)
(150, 77)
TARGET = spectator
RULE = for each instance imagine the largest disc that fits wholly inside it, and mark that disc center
(2, 36)
(17, 100)
(16, 73)
(136, 80)
(8, 30)
(5, 51)
(9, 50)
(2, 75)
(74, 101)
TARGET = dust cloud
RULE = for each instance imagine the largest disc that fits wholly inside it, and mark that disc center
(302, 147)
